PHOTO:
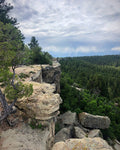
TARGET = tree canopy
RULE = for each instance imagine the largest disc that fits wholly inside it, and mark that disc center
(35, 55)
(98, 79)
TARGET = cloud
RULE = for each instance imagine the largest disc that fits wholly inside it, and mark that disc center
(86, 49)
(67, 22)
(116, 48)
(70, 50)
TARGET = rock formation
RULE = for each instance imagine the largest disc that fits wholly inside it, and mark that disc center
(42, 107)
(41, 110)
(51, 74)
(74, 135)
(94, 121)
(43, 104)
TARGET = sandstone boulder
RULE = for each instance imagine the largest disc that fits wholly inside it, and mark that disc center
(95, 133)
(79, 133)
(43, 104)
(117, 145)
(67, 119)
(94, 121)
(63, 134)
(83, 144)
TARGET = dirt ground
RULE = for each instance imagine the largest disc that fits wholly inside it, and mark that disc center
(22, 136)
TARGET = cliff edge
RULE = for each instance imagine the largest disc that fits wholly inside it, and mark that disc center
(38, 111)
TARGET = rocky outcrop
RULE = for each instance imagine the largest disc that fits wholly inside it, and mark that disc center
(51, 74)
(42, 73)
(83, 144)
(94, 121)
(87, 138)
(42, 107)
(43, 104)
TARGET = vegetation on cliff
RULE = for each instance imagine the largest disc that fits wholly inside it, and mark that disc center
(13, 52)
(91, 84)
(34, 54)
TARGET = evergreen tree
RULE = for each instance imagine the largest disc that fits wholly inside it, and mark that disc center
(11, 45)
(34, 43)
(4, 10)
(36, 56)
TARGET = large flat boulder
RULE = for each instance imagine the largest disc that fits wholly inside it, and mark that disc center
(94, 121)
(83, 144)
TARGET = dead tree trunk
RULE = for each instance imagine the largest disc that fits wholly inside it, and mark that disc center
(7, 109)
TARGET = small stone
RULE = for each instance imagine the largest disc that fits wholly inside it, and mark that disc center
(95, 133)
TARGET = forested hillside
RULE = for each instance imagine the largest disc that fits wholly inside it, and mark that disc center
(97, 80)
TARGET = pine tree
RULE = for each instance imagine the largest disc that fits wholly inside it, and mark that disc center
(4, 10)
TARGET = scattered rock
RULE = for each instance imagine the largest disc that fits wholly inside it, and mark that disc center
(94, 121)
(117, 145)
(95, 133)
(67, 119)
(79, 133)
(63, 135)
(83, 144)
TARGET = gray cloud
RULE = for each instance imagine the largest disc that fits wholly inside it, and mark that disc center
(65, 21)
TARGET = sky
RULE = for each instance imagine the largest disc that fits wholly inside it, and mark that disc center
(67, 28)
